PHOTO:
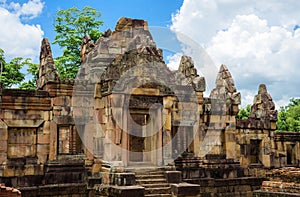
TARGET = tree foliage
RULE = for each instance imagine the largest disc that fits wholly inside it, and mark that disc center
(31, 84)
(244, 113)
(11, 75)
(70, 26)
(289, 116)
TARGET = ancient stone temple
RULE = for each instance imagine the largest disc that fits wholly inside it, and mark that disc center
(129, 126)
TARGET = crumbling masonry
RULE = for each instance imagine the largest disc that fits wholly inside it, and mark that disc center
(129, 126)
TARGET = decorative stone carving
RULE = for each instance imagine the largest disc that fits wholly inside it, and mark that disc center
(47, 70)
(187, 68)
(86, 46)
(263, 107)
(225, 90)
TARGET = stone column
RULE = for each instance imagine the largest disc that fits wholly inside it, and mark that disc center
(3, 142)
(166, 130)
(53, 141)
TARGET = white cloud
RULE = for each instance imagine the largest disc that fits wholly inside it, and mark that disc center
(174, 61)
(256, 44)
(18, 38)
(28, 10)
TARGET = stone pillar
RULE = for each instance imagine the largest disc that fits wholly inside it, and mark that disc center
(3, 142)
(53, 141)
(166, 130)
(43, 142)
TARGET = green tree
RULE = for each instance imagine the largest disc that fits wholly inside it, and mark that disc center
(11, 75)
(10, 71)
(31, 83)
(289, 116)
(244, 113)
(71, 25)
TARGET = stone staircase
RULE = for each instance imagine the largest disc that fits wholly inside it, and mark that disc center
(154, 182)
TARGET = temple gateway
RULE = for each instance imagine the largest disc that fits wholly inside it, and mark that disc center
(130, 126)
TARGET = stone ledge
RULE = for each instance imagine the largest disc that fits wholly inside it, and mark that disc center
(185, 189)
(126, 191)
(271, 194)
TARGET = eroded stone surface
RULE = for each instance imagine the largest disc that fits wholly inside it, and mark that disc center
(47, 71)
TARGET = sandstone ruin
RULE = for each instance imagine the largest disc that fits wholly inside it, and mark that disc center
(129, 126)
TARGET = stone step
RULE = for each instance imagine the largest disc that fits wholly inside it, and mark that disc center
(158, 190)
(158, 195)
(155, 185)
(150, 181)
(149, 172)
(150, 176)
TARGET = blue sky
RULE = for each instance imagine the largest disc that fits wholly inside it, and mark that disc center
(258, 40)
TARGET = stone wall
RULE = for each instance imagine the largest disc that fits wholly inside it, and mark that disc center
(25, 134)
(287, 145)
(282, 182)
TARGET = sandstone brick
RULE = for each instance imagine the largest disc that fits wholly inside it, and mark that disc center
(43, 148)
(3, 146)
(46, 127)
(9, 172)
(29, 170)
(99, 103)
(3, 157)
(46, 115)
(3, 134)
(43, 138)
(167, 123)
(8, 114)
(96, 168)
(145, 91)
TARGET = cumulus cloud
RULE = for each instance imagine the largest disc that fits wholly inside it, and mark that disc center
(28, 10)
(257, 45)
(17, 37)
(173, 61)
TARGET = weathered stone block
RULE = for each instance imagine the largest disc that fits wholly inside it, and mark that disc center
(29, 170)
(9, 172)
(46, 127)
(43, 149)
(3, 146)
(185, 189)
(99, 103)
(3, 157)
(126, 191)
(46, 115)
(168, 102)
(173, 176)
(96, 168)
(145, 91)
(168, 120)
(8, 114)
(3, 134)
(43, 138)
(123, 179)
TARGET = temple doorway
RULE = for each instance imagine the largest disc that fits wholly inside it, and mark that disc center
(140, 143)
